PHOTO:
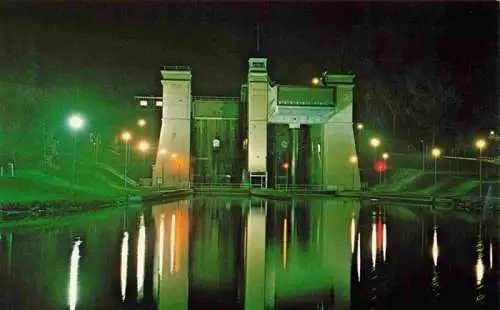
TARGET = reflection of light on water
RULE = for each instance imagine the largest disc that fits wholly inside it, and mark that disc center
(374, 245)
(161, 242)
(358, 257)
(435, 247)
(172, 244)
(479, 270)
(491, 255)
(73, 275)
(141, 256)
(435, 282)
(124, 265)
(285, 241)
(384, 241)
(353, 232)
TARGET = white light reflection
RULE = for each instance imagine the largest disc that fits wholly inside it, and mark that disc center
(73, 276)
(479, 265)
(124, 265)
(141, 258)
(491, 255)
(358, 257)
(374, 245)
(353, 232)
(435, 247)
(160, 246)
(172, 244)
(384, 241)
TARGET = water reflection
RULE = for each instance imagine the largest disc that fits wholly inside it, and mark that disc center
(124, 265)
(141, 258)
(298, 254)
(73, 275)
(435, 256)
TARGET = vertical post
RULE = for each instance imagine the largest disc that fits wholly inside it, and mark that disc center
(143, 165)
(423, 155)
(480, 173)
(126, 166)
(74, 158)
(295, 153)
(435, 172)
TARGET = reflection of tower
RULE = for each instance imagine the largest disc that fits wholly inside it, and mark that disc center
(255, 245)
(171, 255)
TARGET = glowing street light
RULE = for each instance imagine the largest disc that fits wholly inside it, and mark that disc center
(76, 123)
(126, 136)
(385, 156)
(480, 144)
(141, 122)
(375, 142)
(315, 81)
(435, 153)
(492, 132)
(286, 166)
(360, 126)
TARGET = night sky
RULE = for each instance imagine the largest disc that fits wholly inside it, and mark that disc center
(123, 46)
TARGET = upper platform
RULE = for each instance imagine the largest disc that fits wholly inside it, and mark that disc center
(300, 105)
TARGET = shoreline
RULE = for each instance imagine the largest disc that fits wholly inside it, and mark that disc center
(33, 212)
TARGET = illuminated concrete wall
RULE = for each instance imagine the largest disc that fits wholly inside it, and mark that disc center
(173, 166)
(257, 115)
(338, 142)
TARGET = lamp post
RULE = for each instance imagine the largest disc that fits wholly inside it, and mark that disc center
(423, 154)
(215, 163)
(435, 153)
(385, 157)
(286, 166)
(375, 143)
(126, 137)
(360, 126)
(143, 147)
(75, 122)
(480, 144)
(353, 159)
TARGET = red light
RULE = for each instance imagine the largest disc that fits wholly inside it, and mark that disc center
(380, 166)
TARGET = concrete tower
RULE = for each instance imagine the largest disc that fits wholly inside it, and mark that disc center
(257, 119)
(174, 148)
(338, 136)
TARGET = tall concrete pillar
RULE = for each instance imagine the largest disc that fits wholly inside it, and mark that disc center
(257, 117)
(174, 151)
(295, 151)
(338, 137)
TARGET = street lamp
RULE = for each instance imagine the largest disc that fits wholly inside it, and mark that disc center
(435, 153)
(126, 136)
(143, 147)
(315, 81)
(480, 144)
(215, 162)
(353, 159)
(286, 166)
(385, 157)
(141, 122)
(76, 123)
(360, 126)
(375, 143)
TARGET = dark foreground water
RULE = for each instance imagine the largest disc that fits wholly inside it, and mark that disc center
(242, 254)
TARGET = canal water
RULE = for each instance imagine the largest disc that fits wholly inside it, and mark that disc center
(240, 253)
